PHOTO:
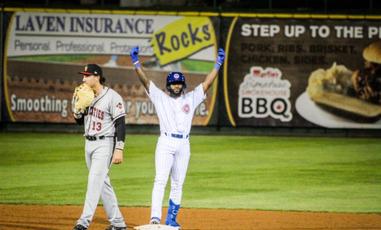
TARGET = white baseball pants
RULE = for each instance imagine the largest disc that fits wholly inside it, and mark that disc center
(171, 157)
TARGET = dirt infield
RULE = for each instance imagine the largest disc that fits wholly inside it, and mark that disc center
(63, 217)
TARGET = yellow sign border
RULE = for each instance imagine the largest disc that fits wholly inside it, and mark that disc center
(226, 90)
(5, 70)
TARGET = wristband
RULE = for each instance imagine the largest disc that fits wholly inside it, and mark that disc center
(217, 65)
(137, 64)
(78, 115)
(119, 145)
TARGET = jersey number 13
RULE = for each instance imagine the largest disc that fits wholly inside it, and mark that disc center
(97, 126)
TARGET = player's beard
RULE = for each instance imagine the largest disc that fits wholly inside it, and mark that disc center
(172, 93)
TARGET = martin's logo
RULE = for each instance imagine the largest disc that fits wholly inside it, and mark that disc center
(263, 93)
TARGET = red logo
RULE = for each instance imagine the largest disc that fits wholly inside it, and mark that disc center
(186, 108)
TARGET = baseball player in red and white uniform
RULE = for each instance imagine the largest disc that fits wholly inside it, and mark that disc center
(175, 112)
(104, 123)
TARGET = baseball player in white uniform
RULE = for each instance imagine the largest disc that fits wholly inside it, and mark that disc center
(104, 123)
(175, 112)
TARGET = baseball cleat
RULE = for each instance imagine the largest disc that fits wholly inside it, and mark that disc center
(155, 220)
(172, 223)
(112, 227)
(79, 227)
(173, 210)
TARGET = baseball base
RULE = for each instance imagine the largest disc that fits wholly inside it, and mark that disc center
(155, 227)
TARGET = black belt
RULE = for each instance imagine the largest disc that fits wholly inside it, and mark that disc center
(94, 138)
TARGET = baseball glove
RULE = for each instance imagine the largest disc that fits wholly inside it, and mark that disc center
(82, 98)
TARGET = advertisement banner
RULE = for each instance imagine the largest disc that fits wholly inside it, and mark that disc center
(45, 51)
(182, 38)
(303, 73)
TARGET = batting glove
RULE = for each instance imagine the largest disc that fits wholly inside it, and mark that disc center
(135, 56)
(220, 58)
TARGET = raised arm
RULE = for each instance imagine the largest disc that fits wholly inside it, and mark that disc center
(213, 74)
(138, 68)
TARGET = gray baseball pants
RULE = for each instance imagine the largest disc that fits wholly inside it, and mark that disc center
(98, 156)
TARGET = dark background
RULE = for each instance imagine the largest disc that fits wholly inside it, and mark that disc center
(316, 6)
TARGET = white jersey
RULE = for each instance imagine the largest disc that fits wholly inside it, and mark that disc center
(175, 114)
(103, 111)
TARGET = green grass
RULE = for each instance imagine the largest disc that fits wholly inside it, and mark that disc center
(197, 66)
(269, 173)
(54, 58)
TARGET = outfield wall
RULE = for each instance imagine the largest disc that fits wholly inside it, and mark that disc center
(263, 83)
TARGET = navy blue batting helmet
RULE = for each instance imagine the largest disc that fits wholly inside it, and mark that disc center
(176, 78)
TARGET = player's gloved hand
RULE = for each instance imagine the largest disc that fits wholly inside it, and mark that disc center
(220, 58)
(82, 98)
(135, 56)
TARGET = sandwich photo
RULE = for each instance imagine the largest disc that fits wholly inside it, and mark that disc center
(355, 95)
